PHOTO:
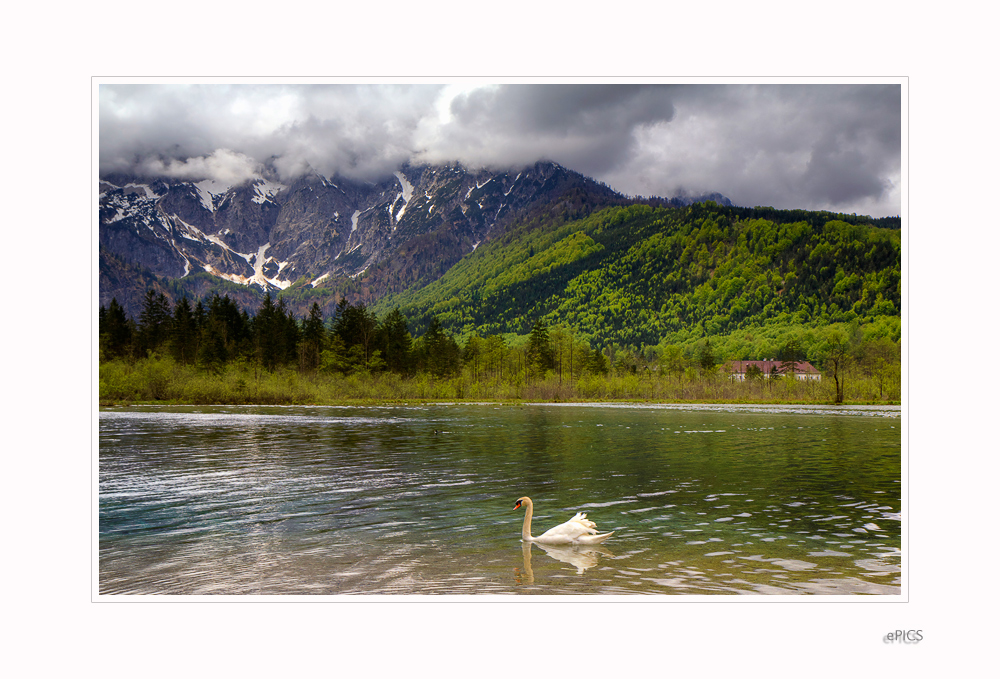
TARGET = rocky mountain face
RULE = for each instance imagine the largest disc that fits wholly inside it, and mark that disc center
(316, 231)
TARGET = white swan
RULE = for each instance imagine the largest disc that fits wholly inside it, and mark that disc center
(577, 531)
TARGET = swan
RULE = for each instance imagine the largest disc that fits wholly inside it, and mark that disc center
(577, 531)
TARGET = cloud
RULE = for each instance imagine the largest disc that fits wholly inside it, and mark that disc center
(589, 128)
(222, 165)
(360, 131)
(820, 146)
(816, 147)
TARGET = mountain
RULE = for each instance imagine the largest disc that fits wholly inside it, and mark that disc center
(335, 234)
(634, 275)
(490, 252)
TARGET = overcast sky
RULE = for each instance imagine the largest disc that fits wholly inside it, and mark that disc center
(820, 146)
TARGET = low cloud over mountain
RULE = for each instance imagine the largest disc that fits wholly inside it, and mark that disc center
(825, 146)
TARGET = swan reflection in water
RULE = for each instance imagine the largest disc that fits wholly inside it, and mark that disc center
(580, 557)
(576, 542)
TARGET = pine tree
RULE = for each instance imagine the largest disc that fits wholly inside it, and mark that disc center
(357, 327)
(154, 322)
(706, 357)
(313, 336)
(115, 331)
(288, 327)
(439, 352)
(218, 332)
(597, 363)
(398, 343)
(184, 338)
(789, 354)
(540, 354)
(268, 334)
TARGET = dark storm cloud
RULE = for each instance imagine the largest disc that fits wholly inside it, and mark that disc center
(586, 127)
(850, 162)
(811, 146)
(825, 146)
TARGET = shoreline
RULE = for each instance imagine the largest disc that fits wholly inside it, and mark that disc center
(111, 403)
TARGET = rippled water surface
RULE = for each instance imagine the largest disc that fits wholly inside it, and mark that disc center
(401, 500)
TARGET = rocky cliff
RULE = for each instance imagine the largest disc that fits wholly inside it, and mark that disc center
(405, 230)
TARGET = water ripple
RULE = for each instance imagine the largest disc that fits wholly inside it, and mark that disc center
(369, 501)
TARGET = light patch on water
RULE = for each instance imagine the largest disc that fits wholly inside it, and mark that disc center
(793, 564)
(606, 504)
(447, 485)
(242, 419)
(787, 564)
(766, 408)
(877, 565)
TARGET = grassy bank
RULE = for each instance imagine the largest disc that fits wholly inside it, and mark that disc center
(161, 379)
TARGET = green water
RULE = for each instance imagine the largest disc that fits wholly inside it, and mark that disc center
(418, 500)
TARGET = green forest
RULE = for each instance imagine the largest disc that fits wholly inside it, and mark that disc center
(637, 302)
(637, 275)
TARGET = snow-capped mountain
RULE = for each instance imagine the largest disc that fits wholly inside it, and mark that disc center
(407, 229)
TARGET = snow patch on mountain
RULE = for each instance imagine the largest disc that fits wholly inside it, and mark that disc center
(258, 277)
(406, 195)
(258, 265)
(204, 189)
(265, 190)
(145, 188)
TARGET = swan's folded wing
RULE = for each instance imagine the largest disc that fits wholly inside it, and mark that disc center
(594, 539)
(582, 519)
(566, 532)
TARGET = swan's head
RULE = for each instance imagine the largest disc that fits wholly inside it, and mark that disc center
(522, 500)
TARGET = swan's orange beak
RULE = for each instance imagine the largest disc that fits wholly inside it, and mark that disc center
(517, 505)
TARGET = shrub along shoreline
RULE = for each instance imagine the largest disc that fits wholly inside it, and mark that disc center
(162, 380)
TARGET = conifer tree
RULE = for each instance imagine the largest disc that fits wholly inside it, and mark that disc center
(540, 354)
(184, 338)
(268, 338)
(154, 322)
(115, 331)
(398, 343)
(597, 363)
(357, 327)
(313, 335)
(706, 357)
(439, 352)
(288, 328)
(220, 330)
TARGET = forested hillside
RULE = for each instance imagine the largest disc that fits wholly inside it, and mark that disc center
(628, 302)
(638, 275)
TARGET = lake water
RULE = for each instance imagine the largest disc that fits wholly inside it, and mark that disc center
(418, 500)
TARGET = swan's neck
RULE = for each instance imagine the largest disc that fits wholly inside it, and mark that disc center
(526, 526)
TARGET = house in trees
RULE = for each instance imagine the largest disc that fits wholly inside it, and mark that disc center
(741, 370)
